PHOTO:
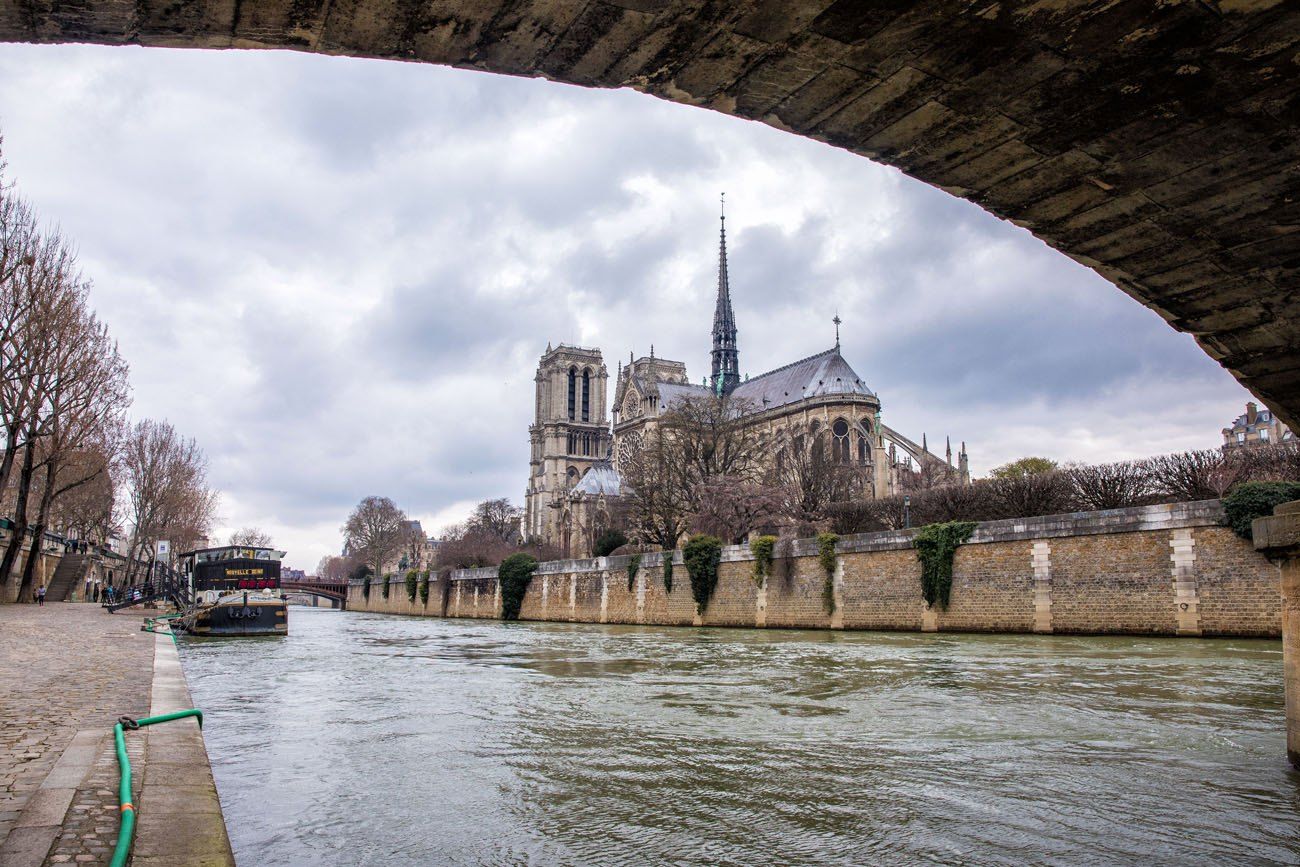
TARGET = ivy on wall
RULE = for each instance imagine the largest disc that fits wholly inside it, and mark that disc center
(633, 566)
(668, 571)
(826, 557)
(702, 554)
(762, 548)
(384, 587)
(424, 588)
(412, 584)
(515, 573)
(365, 587)
(935, 546)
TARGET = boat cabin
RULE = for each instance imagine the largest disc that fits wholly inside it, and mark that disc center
(232, 568)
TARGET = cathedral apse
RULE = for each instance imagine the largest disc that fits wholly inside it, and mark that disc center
(578, 443)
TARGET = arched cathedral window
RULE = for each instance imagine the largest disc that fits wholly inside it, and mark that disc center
(573, 391)
(573, 444)
(586, 395)
(840, 441)
(862, 448)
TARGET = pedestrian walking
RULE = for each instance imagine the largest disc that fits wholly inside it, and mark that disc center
(40, 595)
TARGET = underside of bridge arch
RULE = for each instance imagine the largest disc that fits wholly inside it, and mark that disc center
(1154, 142)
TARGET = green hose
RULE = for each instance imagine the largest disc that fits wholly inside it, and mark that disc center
(126, 831)
(150, 622)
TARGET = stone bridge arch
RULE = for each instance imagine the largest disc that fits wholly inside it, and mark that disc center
(1154, 143)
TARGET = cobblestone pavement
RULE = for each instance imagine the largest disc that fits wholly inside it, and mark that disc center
(67, 668)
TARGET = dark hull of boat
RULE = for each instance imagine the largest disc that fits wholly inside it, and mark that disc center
(258, 617)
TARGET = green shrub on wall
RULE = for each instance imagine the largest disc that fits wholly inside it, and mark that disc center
(608, 542)
(702, 554)
(515, 574)
(668, 571)
(935, 546)
(826, 543)
(762, 547)
(633, 566)
(1252, 500)
(365, 587)
(412, 584)
(384, 587)
(424, 588)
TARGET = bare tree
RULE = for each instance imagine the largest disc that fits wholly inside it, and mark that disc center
(1110, 486)
(1196, 475)
(711, 439)
(731, 508)
(375, 532)
(251, 537)
(89, 511)
(657, 491)
(811, 481)
(498, 517)
(167, 496)
(468, 546)
(1034, 493)
(334, 568)
(38, 348)
(83, 406)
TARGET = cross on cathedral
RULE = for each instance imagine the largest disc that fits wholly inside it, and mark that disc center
(837, 322)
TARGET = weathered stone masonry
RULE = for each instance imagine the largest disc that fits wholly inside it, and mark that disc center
(1161, 570)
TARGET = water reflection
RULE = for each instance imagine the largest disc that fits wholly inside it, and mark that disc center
(364, 739)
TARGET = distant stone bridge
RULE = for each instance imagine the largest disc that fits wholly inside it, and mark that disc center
(335, 591)
(1156, 143)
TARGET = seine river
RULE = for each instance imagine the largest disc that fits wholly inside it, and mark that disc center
(378, 740)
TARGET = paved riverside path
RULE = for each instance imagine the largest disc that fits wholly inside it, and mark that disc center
(67, 672)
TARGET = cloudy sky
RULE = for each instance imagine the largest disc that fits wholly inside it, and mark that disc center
(338, 275)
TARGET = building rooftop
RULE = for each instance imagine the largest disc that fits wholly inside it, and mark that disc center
(601, 478)
(825, 373)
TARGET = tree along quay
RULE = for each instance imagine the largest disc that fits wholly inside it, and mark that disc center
(1171, 569)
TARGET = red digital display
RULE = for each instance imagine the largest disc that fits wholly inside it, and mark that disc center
(265, 584)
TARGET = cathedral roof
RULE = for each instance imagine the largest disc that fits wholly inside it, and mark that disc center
(825, 373)
(602, 478)
(670, 393)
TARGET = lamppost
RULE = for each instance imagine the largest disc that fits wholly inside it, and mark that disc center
(907, 512)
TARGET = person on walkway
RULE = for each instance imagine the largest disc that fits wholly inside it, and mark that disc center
(40, 595)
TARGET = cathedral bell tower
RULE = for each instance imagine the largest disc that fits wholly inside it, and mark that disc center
(570, 433)
(726, 360)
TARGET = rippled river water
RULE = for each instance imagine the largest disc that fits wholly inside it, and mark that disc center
(370, 739)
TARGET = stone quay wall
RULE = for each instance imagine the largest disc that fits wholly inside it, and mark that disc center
(1158, 570)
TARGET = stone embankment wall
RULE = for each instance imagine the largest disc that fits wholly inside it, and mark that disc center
(1161, 570)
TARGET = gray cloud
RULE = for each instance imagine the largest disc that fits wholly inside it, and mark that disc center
(339, 274)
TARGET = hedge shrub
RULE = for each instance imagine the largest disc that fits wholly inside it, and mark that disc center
(1252, 500)
(424, 587)
(608, 542)
(384, 588)
(668, 571)
(412, 584)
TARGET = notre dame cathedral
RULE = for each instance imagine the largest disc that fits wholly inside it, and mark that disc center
(820, 400)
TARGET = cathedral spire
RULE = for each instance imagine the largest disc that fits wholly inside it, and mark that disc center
(726, 361)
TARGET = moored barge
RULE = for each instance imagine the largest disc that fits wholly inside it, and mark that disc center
(236, 591)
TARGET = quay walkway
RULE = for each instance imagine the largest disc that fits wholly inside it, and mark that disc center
(67, 672)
